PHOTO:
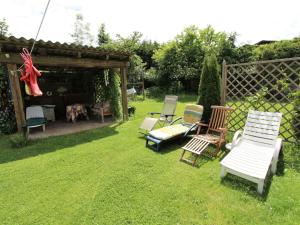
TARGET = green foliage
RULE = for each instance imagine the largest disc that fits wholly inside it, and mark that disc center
(181, 59)
(7, 115)
(275, 50)
(101, 89)
(81, 34)
(258, 99)
(278, 50)
(209, 87)
(128, 44)
(103, 37)
(115, 94)
(3, 28)
(18, 140)
(137, 68)
(242, 54)
(296, 115)
(293, 94)
(107, 88)
(146, 50)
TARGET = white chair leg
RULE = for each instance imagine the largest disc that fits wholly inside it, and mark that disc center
(278, 147)
(260, 186)
(27, 130)
(223, 172)
(44, 128)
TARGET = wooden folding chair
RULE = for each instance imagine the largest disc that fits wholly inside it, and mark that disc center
(215, 134)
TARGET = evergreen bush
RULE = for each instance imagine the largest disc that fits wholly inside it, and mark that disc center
(209, 87)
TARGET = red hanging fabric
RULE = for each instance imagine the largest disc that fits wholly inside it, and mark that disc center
(30, 73)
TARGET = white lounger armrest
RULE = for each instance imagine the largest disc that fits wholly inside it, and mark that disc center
(236, 138)
(277, 149)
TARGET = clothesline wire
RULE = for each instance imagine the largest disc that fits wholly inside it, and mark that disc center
(38, 32)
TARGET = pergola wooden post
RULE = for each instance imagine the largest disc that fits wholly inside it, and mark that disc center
(123, 74)
(223, 83)
(16, 95)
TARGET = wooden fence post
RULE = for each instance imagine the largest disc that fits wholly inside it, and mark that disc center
(223, 83)
(123, 73)
(16, 95)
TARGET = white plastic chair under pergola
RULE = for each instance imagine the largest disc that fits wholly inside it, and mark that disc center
(35, 117)
(255, 150)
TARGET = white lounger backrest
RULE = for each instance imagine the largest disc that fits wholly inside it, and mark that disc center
(169, 106)
(34, 112)
(262, 127)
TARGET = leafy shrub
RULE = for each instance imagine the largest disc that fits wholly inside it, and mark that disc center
(209, 87)
(296, 114)
(278, 50)
(18, 140)
(115, 94)
(258, 99)
(176, 87)
(181, 59)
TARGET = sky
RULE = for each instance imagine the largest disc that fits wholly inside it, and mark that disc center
(159, 20)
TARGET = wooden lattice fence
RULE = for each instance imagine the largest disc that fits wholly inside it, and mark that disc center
(241, 81)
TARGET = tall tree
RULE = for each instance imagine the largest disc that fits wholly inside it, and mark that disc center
(3, 28)
(180, 60)
(146, 50)
(103, 37)
(130, 43)
(81, 35)
(209, 87)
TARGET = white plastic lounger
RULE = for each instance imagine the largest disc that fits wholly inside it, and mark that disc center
(256, 149)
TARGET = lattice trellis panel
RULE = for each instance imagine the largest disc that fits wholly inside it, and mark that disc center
(243, 80)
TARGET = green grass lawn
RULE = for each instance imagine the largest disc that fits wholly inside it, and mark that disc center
(107, 176)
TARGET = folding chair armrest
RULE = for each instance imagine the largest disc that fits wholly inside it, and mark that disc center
(189, 130)
(278, 147)
(179, 118)
(200, 125)
(166, 115)
(153, 113)
(236, 138)
(222, 129)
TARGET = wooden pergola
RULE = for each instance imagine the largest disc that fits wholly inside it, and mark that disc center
(59, 55)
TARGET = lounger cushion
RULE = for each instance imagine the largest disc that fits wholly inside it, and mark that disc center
(249, 159)
(168, 132)
(192, 113)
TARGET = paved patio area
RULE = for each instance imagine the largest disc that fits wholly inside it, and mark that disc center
(61, 127)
